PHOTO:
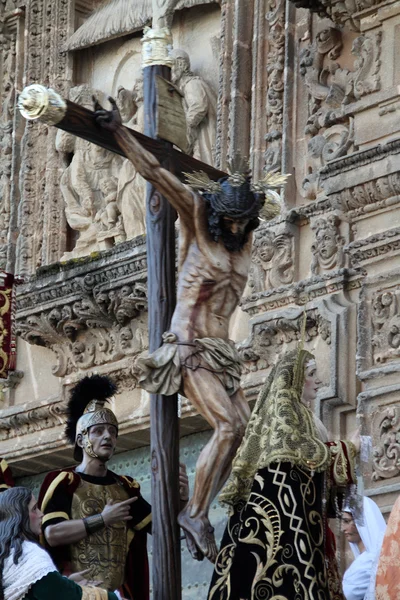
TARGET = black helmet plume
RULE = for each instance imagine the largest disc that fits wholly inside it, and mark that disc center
(93, 387)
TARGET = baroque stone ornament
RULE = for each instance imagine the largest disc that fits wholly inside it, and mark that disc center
(41, 202)
(88, 314)
(275, 88)
(386, 325)
(273, 260)
(89, 185)
(386, 452)
(339, 11)
(331, 88)
(34, 420)
(327, 249)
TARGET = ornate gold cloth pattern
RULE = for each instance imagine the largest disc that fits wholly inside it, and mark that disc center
(105, 551)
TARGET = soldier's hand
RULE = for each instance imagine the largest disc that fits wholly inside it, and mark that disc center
(183, 483)
(108, 119)
(113, 512)
(81, 580)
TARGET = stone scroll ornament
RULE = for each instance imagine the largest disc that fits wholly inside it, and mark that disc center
(7, 321)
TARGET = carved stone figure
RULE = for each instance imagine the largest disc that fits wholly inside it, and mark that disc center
(331, 87)
(328, 246)
(197, 358)
(386, 325)
(273, 263)
(131, 196)
(82, 181)
(200, 107)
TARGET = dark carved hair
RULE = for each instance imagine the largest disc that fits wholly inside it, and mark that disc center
(236, 202)
(14, 525)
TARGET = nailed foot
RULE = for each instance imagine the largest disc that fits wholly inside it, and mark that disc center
(193, 549)
(201, 532)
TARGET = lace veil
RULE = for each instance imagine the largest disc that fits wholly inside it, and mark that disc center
(280, 429)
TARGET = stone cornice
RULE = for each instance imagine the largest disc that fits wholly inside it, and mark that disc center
(358, 159)
(301, 292)
(374, 247)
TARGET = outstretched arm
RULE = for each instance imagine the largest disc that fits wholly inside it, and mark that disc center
(178, 194)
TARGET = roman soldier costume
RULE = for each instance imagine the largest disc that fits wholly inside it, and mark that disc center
(116, 554)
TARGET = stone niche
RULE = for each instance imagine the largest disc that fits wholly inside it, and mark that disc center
(103, 194)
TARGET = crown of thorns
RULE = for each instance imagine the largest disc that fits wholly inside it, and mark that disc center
(268, 185)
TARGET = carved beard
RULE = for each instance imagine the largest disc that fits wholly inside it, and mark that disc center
(232, 242)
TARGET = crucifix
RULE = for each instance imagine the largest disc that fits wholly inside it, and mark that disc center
(190, 350)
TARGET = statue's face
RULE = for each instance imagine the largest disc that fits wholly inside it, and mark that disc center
(233, 233)
(234, 226)
(177, 70)
(312, 383)
(327, 244)
(103, 438)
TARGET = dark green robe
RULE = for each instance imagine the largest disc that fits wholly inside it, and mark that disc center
(56, 587)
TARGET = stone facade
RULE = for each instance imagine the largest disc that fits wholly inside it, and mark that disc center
(310, 88)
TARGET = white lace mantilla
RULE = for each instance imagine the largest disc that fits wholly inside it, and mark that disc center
(33, 565)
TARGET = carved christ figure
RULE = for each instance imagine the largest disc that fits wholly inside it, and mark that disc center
(197, 358)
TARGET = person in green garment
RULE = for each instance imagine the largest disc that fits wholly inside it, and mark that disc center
(27, 570)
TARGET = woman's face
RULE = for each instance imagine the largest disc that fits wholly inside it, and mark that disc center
(312, 383)
(35, 517)
(349, 528)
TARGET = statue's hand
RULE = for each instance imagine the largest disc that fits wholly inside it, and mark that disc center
(108, 119)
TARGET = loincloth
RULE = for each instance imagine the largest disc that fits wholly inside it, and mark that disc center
(161, 371)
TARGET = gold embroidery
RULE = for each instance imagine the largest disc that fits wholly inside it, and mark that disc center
(260, 528)
(103, 552)
(92, 593)
(280, 428)
(340, 464)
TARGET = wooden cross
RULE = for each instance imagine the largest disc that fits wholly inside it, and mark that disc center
(160, 238)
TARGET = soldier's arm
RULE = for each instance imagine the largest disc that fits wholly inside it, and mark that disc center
(178, 194)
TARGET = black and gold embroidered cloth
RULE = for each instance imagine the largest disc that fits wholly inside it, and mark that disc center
(274, 546)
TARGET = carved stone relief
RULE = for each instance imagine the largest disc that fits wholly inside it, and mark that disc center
(41, 221)
(386, 452)
(275, 69)
(89, 187)
(331, 88)
(33, 420)
(273, 260)
(131, 196)
(272, 337)
(7, 99)
(327, 249)
(92, 315)
(341, 12)
(386, 325)
(200, 106)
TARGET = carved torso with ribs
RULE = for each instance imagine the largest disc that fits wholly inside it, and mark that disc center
(211, 280)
